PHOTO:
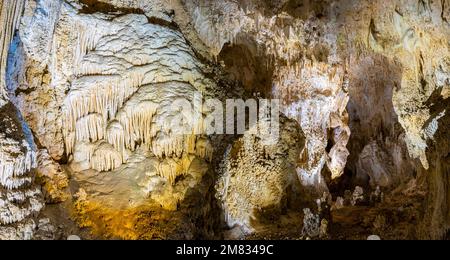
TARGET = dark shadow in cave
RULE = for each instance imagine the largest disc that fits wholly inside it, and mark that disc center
(372, 117)
(437, 215)
(304, 8)
(247, 68)
(95, 6)
(246, 74)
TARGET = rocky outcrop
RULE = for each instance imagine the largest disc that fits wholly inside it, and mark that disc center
(89, 91)
(258, 182)
(103, 90)
(312, 91)
(20, 200)
(412, 38)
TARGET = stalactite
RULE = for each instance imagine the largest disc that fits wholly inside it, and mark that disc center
(15, 183)
(90, 128)
(212, 30)
(88, 36)
(16, 207)
(104, 95)
(10, 13)
(83, 153)
(69, 141)
(204, 149)
(190, 143)
(14, 164)
(115, 135)
(170, 146)
(21, 196)
(137, 123)
(105, 158)
(172, 168)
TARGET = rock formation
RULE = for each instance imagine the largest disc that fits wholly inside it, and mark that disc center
(257, 179)
(19, 198)
(93, 93)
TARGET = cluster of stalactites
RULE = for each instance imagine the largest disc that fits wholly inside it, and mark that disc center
(278, 36)
(105, 158)
(102, 96)
(15, 164)
(88, 37)
(112, 112)
(134, 126)
(282, 35)
(15, 206)
(216, 31)
(172, 168)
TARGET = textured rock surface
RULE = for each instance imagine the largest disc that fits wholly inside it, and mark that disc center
(258, 180)
(312, 91)
(365, 85)
(52, 178)
(113, 91)
(20, 200)
(11, 12)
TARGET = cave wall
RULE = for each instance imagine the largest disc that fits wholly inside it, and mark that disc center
(367, 82)
(20, 199)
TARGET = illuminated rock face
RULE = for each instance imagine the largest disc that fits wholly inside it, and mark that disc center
(108, 99)
(365, 85)
(116, 105)
(256, 179)
(406, 101)
(312, 91)
(19, 198)
(120, 102)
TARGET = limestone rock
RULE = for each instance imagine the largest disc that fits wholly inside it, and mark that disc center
(357, 196)
(252, 187)
(373, 237)
(73, 237)
(52, 177)
(88, 86)
(311, 224)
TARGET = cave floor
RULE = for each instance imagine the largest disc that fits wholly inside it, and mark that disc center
(395, 219)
